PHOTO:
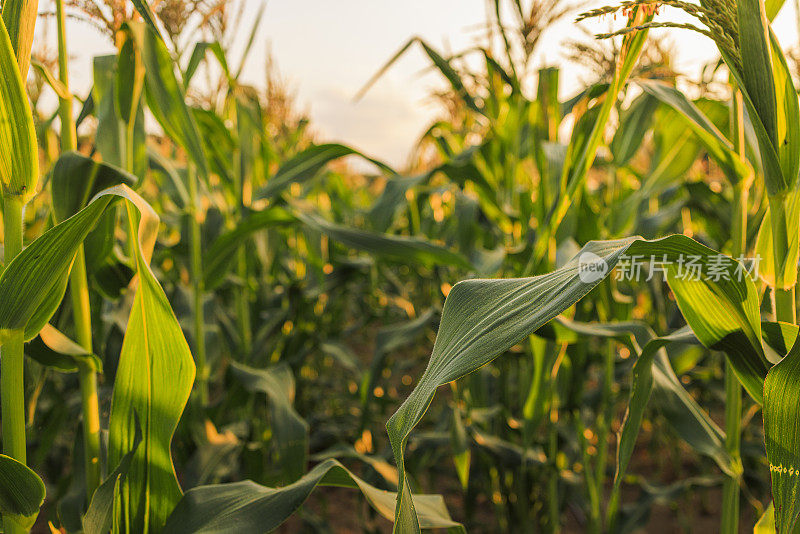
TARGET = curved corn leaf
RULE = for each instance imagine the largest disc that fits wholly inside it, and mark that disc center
(32, 285)
(21, 493)
(400, 248)
(290, 431)
(55, 350)
(250, 507)
(483, 318)
(307, 164)
(156, 370)
(782, 435)
(76, 179)
(19, 157)
(219, 258)
(713, 140)
(55, 84)
(154, 379)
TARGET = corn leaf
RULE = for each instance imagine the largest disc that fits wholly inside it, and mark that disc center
(76, 179)
(399, 248)
(483, 318)
(763, 249)
(220, 256)
(22, 493)
(165, 95)
(307, 164)
(713, 140)
(782, 436)
(19, 158)
(98, 518)
(154, 379)
(250, 507)
(290, 431)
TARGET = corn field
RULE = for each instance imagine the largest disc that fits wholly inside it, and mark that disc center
(565, 315)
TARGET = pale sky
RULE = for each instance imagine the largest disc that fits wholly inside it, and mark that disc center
(326, 50)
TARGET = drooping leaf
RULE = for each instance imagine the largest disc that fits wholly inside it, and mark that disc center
(76, 179)
(717, 144)
(483, 318)
(249, 507)
(219, 258)
(399, 248)
(290, 431)
(307, 164)
(55, 350)
(154, 379)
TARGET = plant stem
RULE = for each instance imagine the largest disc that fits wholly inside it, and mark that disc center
(733, 390)
(195, 246)
(12, 357)
(79, 287)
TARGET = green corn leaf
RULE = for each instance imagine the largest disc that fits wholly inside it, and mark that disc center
(290, 431)
(198, 54)
(250, 507)
(219, 258)
(483, 318)
(165, 95)
(32, 285)
(129, 81)
(55, 350)
(21, 493)
(154, 379)
(766, 524)
(632, 129)
(148, 16)
(442, 64)
(788, 115)
(307, 164)
(774, 180)
(757, 71)
(155, 367)
(763, 250)
(717, 144)
(98, 518)
(19, 157)
(52, 81)
(782, 435)
(399, 248)
(76, 179)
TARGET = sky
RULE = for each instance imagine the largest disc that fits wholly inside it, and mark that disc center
(326, 50)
